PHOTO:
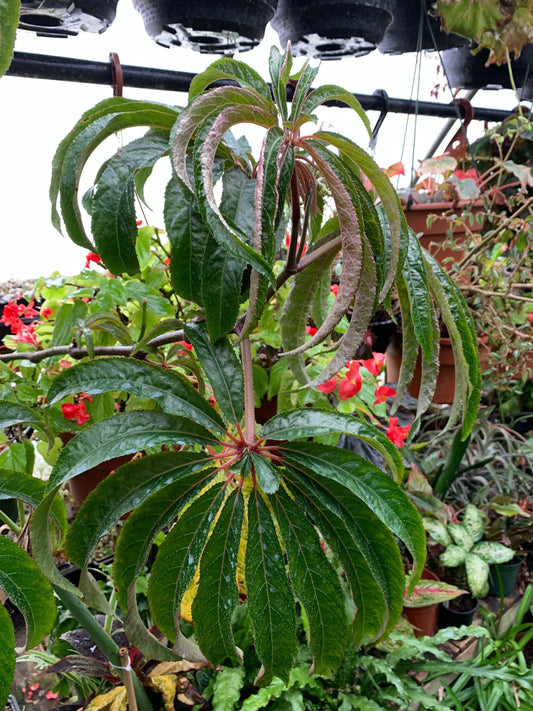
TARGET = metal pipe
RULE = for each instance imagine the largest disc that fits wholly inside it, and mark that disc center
(43, 66)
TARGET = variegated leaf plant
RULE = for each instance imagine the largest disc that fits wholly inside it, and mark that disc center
(257, 514)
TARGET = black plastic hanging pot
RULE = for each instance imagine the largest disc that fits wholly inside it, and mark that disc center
(332, 29)
(64, 18)
(468, 71)
(402, 35)
(208, 26)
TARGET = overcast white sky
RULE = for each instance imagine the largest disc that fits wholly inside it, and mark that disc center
(36, 114)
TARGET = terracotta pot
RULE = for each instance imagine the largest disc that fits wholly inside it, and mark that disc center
(81, 485)
(423, 619)
(445, 386)
(447, 247)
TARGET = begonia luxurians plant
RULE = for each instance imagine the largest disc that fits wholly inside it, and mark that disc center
(268, 516)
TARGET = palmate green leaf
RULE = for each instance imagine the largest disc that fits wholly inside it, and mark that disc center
(315, 584)
(311, 422)
(170, 391)
(113, 224)
(73, 154)
(270, 600)
(143, 525)
(9, 19)
(175, 566)
(365, 548)
(28, 589)
(232, 69)
(208, 138)
(222, 368)
(7, 654)
(217, 594)
(13, 414)
(124, 433)
(123, 490)
(385, 498)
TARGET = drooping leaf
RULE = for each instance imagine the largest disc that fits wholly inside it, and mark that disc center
(175, 566)
(279, 66)
(123, 490)
(364, 547)
(171, 392)
(72, 154)
(114, 225)
(29, 590)
(209, 135)
(9, 18)
(217, 593)
(330, 92)
(311, 422)
(27, 488)
(122, 434)
(315, 584)
(270, 600)
(143, 525)
(222, 368)
(385, 498)
(233, 70)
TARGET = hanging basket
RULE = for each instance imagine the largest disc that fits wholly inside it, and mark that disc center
(403, 34)
(334, 29)
(468, 71)
(207, 26)
(66, 18)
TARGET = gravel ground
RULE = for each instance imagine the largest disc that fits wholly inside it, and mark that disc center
(13, 288)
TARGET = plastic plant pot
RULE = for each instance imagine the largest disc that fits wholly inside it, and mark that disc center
(503, 577)
(66, 18)
(331, 29)
(206, 26)
(461, 611)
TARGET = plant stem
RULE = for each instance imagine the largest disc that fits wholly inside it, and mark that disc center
(128, 681)
(79, 353)
(10, 523)
(106, 644)
(249, 409)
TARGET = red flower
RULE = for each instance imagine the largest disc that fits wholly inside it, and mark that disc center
(334, 288)
(46, 313)
(91, 257)
(25, 333)
(166, 261)
(374, 364)
(530, 317)
(382, 393)
(50, 695)
(75, 411)
(139, 223)
(352, 381)
(311, 330)
(397, 435)
(186, 345)
(329, 386)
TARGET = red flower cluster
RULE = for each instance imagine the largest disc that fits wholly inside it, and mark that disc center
(396, 434)
(12, 317)
(76, 410)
